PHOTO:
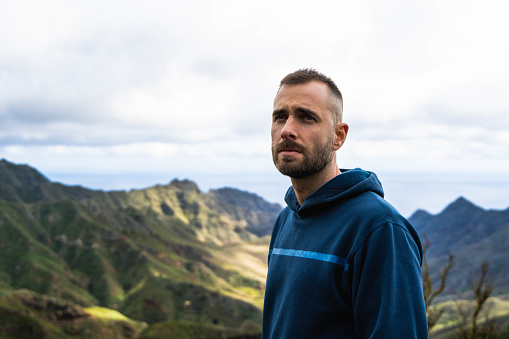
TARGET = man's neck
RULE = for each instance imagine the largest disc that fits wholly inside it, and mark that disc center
(304, 187)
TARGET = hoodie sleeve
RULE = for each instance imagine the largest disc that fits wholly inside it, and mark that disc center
(387, 290)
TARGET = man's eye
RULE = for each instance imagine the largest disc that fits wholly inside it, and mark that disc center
(308, 117)
(279, 117)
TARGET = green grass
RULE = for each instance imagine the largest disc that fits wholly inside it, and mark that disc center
(106, 313)
(25, 314)
(499, 311)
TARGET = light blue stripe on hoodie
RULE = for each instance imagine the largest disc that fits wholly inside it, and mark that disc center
(310, 255)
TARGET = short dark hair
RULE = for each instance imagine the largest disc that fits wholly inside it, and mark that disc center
(305, 75)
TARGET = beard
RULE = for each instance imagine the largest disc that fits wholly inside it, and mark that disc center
(315, 160)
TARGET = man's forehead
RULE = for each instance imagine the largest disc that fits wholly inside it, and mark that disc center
(310, 91)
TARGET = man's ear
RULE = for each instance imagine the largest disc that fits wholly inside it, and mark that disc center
(340, 132)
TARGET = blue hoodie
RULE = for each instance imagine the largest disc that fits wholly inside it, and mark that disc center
(345, 264)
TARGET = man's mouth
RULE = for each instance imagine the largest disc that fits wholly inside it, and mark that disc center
(289, 152)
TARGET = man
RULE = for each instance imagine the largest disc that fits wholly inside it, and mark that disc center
(343, 263)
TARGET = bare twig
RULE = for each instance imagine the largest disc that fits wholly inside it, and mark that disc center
(433, 314)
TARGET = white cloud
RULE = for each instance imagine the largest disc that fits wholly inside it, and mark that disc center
(129, 84)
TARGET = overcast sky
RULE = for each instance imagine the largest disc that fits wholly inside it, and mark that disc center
(129, 94)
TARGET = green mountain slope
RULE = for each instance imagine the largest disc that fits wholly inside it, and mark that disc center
(172, 259)
(165, 253)
(26, 314)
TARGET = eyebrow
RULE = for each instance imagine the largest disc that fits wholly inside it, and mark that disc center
(278, 111)
(301, 110)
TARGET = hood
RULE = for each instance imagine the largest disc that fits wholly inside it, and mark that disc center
(349, 183)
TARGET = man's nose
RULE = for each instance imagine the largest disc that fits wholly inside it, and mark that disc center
(289, 130)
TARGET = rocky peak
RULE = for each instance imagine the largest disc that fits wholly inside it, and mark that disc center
(460, 204)
(20, 175)
(184, 185)
(461, 208)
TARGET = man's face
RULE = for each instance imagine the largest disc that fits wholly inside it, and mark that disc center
(303, 137)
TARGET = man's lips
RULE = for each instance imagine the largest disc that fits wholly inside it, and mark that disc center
(289, 152)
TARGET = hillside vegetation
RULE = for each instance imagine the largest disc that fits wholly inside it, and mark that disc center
(163, 254)
(171, 261)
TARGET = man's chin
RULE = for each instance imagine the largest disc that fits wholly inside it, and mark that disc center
(288, 159)
(293, 172)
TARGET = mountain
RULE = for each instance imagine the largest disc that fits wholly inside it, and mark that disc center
(473, 235)
(173, 261)
(165, 253)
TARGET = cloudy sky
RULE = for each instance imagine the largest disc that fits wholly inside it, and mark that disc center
(128, 94)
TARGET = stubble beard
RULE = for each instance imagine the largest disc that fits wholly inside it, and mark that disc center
(315, 160)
